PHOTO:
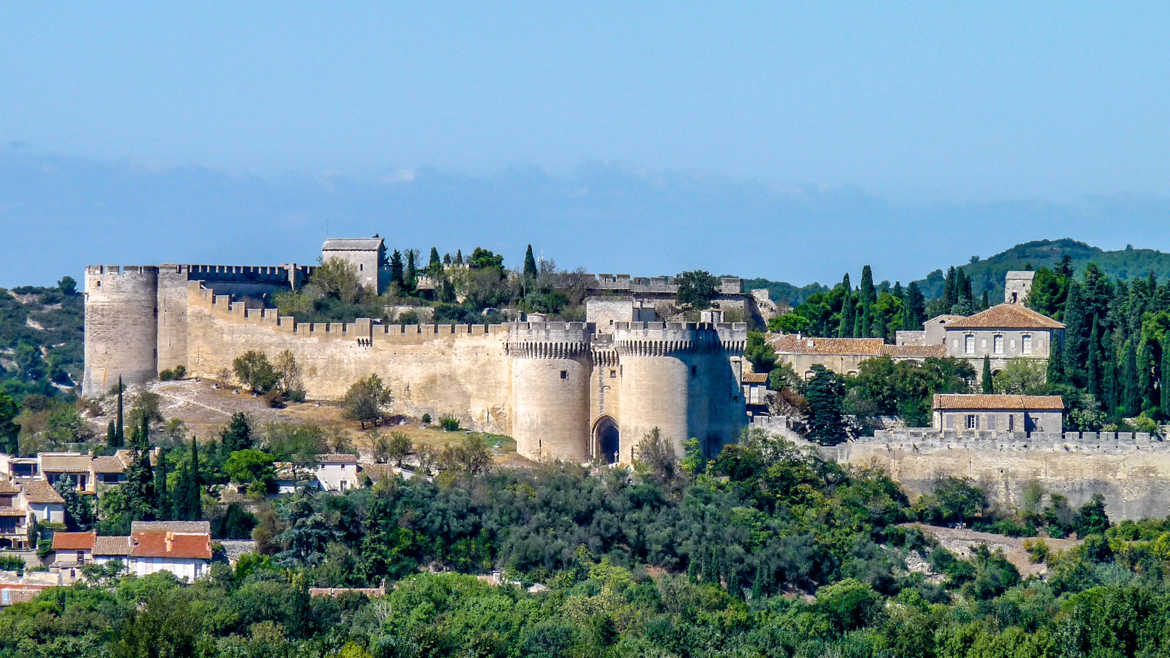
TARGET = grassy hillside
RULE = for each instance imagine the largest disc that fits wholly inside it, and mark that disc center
(41, 339)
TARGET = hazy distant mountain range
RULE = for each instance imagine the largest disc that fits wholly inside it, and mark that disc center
(59, 213)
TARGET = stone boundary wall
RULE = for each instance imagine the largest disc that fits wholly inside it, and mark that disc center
(1131, 470)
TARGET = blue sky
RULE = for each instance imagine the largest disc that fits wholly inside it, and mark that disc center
(925, 103)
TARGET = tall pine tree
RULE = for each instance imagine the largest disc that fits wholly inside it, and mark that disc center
(435, 266)
(139, 487)
(410, 276)
(988, 384)
(119, 426)
(396, 273)
(529, 264)
(163, 506)
(1055, 374)
(915, 308)
(1147, 390)
(867, 295)
(1076, 337)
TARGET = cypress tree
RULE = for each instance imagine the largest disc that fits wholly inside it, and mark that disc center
(1129, 380)
(139, 485)
(410, 277)
(915, 307)
(1093, 369)
(861, 322)
(950, 290)
(1165, 382)
(985, 303)
(194, 502)
(119, 428)
(1076, 335)
(529, 264)
(396, 275)
(1109, 385)
(435, 266)
(1055, 374)
(458, 257)
(988, 385)
(162, 496)
(866, 292)
(1145, 369)
(845, 330)
(111, 435)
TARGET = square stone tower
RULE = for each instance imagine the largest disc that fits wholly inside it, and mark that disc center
(365, 254)
(1017, 285)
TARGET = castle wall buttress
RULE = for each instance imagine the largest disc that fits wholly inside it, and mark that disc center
(172, 316)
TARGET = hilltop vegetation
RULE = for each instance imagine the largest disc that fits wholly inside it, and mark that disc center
(987, 274)
(41, 338)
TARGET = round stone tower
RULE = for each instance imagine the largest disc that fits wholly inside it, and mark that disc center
(677, 378)
(121, 326)
(551, 365)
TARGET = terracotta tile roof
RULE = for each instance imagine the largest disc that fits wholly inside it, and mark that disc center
(73, 541)
(108, 464)
(111, 546)
(1026, 402)
(8, 487)
(170, 544)
(39, 491)
(13, 511)
(334, 458)
(63, 462)
(795, 344)
(755, 378)
(185, 527)
(1006, 316)
(946, 317)
(913, 351)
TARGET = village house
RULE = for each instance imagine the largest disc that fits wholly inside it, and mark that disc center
(181, 547)
(41, 501)
(337, 472)
(1010, 413)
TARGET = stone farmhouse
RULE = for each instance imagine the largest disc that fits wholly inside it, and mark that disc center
(570, 390)
(1002, 333)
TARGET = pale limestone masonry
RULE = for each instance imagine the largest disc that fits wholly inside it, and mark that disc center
(558, 388)
(1131, 470)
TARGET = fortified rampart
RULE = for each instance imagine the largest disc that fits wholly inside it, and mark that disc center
(562, 390)
(1131, 470)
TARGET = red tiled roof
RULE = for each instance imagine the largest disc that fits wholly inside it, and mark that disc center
(108, 464)
(1006, 316)
(39, 491)
(947, 401)
(794, 344)
(64, 462)
(73, 541)
(755, 377)
(913, 351)
(170, 544)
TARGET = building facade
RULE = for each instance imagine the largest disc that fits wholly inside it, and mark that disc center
(1007, 413)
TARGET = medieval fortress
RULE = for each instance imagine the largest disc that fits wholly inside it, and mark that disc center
(594, 389)
(569, 390)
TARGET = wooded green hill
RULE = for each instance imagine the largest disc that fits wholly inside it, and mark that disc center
(988, 274)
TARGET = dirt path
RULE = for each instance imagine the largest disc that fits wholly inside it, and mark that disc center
(961, 540)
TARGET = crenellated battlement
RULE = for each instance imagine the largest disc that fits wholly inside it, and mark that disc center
(364, 329)
(927, 440)
(127, 270)
(549, 340)
(660, 338)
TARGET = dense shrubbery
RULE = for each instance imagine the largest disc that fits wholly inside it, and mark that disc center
(765, 550)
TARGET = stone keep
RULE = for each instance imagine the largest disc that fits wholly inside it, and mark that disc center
(561, 390)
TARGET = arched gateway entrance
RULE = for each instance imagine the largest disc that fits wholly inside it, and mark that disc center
(606, 440)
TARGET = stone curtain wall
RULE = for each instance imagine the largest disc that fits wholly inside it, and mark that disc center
(1132, 471)
(436, 369)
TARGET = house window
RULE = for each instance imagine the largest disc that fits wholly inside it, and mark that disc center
(1026, 344)
(972, 421)
(1011, 423)
(564, 374)
(694, 370)
(612, 373)
(998, 342)
(969, 344)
